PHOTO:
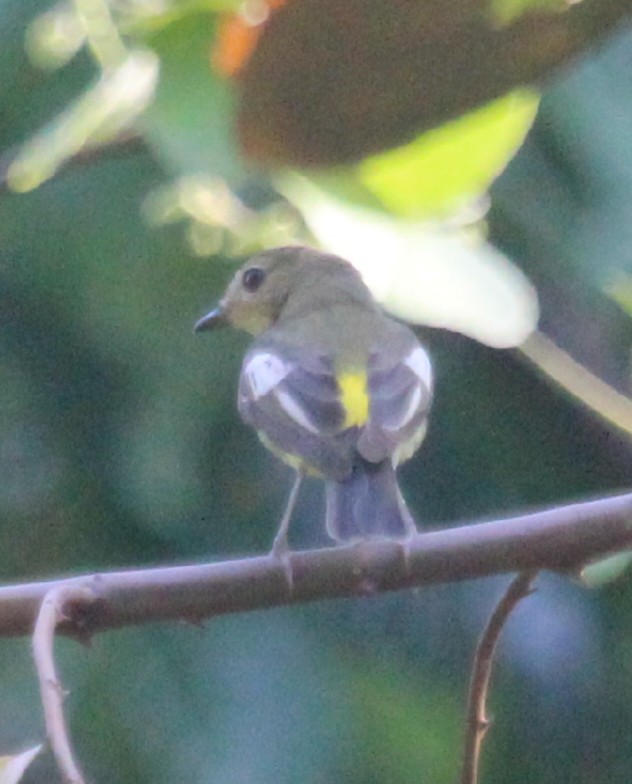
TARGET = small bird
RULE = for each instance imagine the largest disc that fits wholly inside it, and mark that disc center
(333, 386)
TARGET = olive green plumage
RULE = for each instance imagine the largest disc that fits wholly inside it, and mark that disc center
(333, 385)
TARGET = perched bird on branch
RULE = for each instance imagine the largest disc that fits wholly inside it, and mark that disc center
(335, 387)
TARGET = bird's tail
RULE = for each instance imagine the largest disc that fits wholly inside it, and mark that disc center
(367, 504)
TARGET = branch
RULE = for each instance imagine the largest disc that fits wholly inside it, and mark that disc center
(54, 609)
(560, 539)
(477, 722)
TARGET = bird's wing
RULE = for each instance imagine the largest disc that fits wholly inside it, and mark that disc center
(400, 389)
(294, 404)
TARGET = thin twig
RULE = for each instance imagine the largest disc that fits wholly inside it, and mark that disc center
(562, 539)
(477, 722)
(52, 612)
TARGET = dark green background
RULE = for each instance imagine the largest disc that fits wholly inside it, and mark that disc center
(120, 446)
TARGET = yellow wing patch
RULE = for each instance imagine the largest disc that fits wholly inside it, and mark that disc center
(354, 397)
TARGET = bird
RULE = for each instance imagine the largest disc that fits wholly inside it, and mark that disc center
(333, 385)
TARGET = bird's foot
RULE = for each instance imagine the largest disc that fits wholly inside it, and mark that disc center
(405, 544)
(281, 553)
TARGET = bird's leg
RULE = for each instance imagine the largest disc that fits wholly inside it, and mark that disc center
(280, 549)
(280, 545)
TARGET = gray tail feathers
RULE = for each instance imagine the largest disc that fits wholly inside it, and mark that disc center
(368, 503)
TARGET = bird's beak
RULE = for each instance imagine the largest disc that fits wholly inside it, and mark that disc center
(216, 318)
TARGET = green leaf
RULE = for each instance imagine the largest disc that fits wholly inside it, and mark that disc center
(448, 167)
(606, 570)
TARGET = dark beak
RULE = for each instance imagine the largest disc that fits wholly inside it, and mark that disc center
(216, 318)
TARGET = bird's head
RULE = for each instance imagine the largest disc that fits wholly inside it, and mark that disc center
(260, 290)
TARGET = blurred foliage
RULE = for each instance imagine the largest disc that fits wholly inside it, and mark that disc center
(435, 275)
(120, 445)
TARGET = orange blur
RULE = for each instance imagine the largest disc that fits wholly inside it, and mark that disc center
(237, 38)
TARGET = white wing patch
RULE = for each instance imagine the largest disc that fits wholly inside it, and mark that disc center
(293, 410)
(264, 372)
(419, 362)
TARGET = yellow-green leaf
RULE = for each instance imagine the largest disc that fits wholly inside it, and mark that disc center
(606, 570)
(450, 166)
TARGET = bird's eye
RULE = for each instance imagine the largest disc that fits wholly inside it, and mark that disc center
(252, 278)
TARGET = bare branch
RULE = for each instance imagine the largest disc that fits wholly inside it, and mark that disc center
(52, 612)
(477, 722)
(560, 539)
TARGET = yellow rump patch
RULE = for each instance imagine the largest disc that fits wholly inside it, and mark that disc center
(354, 397)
